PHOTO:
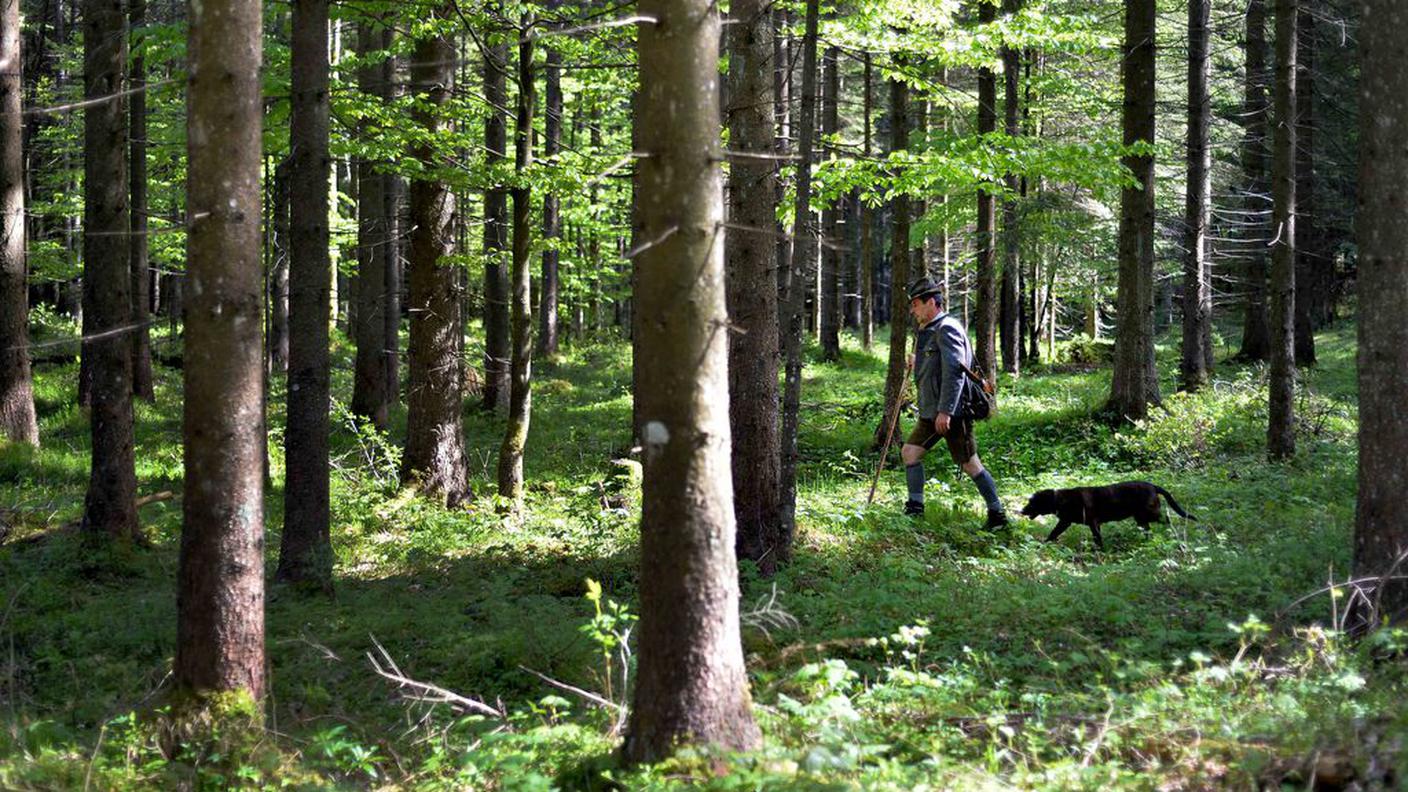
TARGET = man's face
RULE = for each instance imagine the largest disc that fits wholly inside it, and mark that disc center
(923, 310)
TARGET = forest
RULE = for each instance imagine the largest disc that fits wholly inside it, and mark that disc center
(723, 394)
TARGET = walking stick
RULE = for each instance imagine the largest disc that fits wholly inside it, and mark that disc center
(889, 436)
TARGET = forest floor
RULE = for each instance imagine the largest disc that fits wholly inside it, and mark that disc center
(890, 653)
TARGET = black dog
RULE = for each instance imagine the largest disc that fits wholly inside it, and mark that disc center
(1094, 506)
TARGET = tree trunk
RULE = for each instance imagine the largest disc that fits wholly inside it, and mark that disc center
(899, 272)
(752, 293)
(370, 396)
(1135, 384)
(496, 286)
(305, 551)
(1381, 516)
(17, 417)
(434, 441)
(986, 324)
(1280, 429)
(107, 278)
(692, 686)
(867, 226)
(1196, 364)
(521, 312)
(1011, 239)
(220, 581)
(796, 280)
(552, 217)
(278, 279)
(141, 295)
(391, 192)
(1252, 242)
(1311, 259)
(830, 303)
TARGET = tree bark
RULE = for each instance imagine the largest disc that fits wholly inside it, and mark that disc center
(520, 403)
(370, 395)
(552, 216)
(391, 192)
(830, 303)
(895, 372)
(692, 687)
(751, 290)
(17, 417)
(1311, 259)
(867, 224)
(796, 278)
(1381, 514)
(1135, 383)
(278, 279)
(1252, 241)
(1280, 428)
(496, 285)
(141, 295)
(1011, 239)
(107, 279)
(305, 550)
(434, 439)
(1196, 360)
(220, 581)
(985, 326)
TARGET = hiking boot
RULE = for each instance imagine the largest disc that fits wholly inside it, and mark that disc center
(996, 519)
(914, 508)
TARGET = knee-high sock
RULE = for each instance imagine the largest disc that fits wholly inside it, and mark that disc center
(914, 477)
(988, 488)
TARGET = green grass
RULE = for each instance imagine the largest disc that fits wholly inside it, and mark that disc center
(917, 653)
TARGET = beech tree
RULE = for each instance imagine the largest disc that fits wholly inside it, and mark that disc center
(17, 417)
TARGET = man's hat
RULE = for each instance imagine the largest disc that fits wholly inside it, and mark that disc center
(923, 288)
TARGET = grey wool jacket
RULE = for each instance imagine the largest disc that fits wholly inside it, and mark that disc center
(941, 351)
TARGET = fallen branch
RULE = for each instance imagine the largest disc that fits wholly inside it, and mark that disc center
(586, 694)
(386, 668)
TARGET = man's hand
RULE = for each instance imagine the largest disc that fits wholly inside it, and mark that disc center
(941, 423)
(909, 364)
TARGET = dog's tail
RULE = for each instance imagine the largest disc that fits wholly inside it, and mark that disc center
(1173, 503)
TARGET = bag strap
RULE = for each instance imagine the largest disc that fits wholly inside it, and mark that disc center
(973, 375)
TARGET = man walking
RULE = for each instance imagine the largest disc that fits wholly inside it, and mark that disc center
(941, 355)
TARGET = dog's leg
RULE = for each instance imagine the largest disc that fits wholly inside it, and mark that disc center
(1095, 531)
(1058, 530)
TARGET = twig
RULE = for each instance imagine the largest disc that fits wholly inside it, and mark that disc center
(425, 691)
(586, 694)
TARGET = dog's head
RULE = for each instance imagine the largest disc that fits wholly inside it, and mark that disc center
(1042, 502)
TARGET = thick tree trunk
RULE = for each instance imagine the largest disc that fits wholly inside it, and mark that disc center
(220, 581)
(895, 372)
(1381, 516)
(520, 402)
(1311, 259)
(305, 551)
(1011, 237)
(692, 686)
(1135, 383)
(830, 303)
(796, 278)
(434, 440)
(752, 294)
(985, 326)
(370, 396)
(141, 295)
(17, 417)
(1280, 429)
(1196, 359)
(552, 216)
(1252, 241)
(107, 274)
(496, 286)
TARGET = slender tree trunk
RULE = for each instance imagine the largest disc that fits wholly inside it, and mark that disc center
(141, 295)
(1311, 259)
(899, 270)
(220, 580)
(110, 507)
(17, 417)
(867, 225)
(496, 285)
(1280, 430)
(797, 278)
(1011, 238)
(552, 217)
(391, 192)
(830, 303)
(1381, 516)
(752, 296)
(305, 551)
(370, 396)
(1252, 242)
(1135, 384)
(434, 439)
(692, 686)
(521, 312)
(986, 325)
(1197, 293)
(278, 279)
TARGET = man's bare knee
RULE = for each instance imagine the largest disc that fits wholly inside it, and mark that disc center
(973, 467)
(911, 454)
